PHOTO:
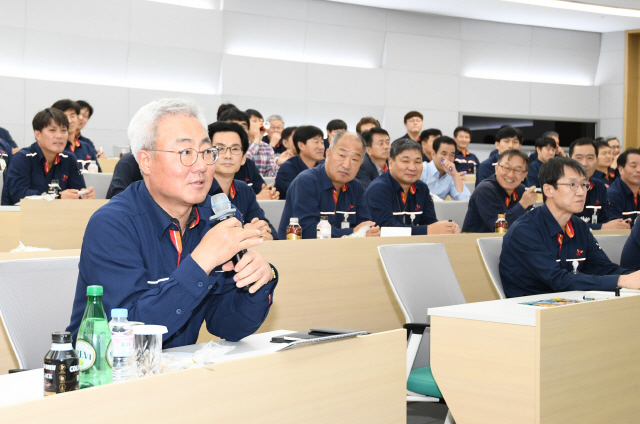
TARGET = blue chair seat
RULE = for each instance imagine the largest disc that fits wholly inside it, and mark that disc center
(421, 381)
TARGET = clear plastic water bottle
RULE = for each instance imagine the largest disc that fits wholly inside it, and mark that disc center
(93, 167)
(323, 230)
(122, 346)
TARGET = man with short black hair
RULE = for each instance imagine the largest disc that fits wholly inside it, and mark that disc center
(82, 151)
(33, 168)
(86, 112)
(413, 124)
(502, 193)
(375, 160)
(596, 211)
(604, 172)
(287, 143)
(551, 250)
(331, 189)
(334, 127)
(309, 145)
(6, 137)
(507, 138)
(441, 175)
(623, 192)
(546, 148)
(259, 151)
(399, 199)
(232, 143)
(426, 140)
(465, 161)
(365, 124)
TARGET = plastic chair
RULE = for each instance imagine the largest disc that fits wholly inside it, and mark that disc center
(100, 182)
(416, 291)
(272, 210)
(612, 245)
(36, 298)
(455, 210)
(117, 149)
(490, 249)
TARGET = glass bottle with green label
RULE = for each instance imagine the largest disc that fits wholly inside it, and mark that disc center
(92, 345)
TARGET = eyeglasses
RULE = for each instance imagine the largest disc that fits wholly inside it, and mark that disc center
(516, 171)
(235, 150)
(189, 156)
(586, 185)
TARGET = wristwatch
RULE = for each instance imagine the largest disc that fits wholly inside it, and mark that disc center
(273, 274)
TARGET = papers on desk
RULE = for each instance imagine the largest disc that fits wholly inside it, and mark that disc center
(550, 303)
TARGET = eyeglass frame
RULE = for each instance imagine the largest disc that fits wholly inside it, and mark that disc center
(198, 153)
(574, 185)
(223, 150)
(516, 173)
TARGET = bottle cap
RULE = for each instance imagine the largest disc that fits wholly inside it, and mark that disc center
(61, 337)
(119, 313)
(293, 221)
(94, 290)
(501, 215)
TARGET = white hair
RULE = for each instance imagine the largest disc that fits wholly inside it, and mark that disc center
(341, 134)
(143, 128)
(275, 118)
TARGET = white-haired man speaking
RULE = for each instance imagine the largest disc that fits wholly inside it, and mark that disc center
(153, 248)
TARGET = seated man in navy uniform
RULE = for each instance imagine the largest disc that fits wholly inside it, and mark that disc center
(334, 127)
(426, 140)
(623, 192)
(6, 153)
(631, 251)
(82, 151)
(399, 199)
(604, 172)
(154, 249)
(232, 144)
(86, 112)
(596, 209)
(248, 171)
(6, 136)
(465, 161)
(125, 173)
(502, 193)
(550, 249)
(546, 148)
(309, 145)
(331, 189)
(375, 160)
(33, 168)
(507, 138)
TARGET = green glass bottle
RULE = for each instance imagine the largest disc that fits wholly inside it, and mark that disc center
(92, 345)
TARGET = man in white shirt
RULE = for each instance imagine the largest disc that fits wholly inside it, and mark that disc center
(441, 175)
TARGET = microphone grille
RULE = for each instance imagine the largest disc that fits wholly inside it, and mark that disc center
(220, 203)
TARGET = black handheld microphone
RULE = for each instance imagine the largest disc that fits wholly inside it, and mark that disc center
(222, 210)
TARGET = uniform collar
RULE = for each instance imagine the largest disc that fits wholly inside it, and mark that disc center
(432, 170)
(397, 187)
(216, 189)
(553, 228)
(326, 181)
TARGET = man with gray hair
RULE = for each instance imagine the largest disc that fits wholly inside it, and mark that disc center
(274, 133)
(154, 249)
(331, 189)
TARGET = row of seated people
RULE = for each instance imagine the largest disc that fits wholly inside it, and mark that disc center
(153, 250)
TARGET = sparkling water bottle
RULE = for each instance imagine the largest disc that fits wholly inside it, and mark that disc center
(122, 350)
(93, 342)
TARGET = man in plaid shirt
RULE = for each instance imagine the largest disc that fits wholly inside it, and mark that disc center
(259, 151)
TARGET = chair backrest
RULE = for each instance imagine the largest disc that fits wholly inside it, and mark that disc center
(471, 185)
(421, 277)
(454, 210)
(100, 182)
(36, 298)
(612, 245)
(490, 249)
(272, 210)
(117, 149)
(269, 180)
(1, 181)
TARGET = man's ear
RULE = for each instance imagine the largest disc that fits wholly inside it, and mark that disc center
(496, 143)
(144, 161)
(548, 190)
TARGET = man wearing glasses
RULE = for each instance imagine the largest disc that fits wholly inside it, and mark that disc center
(232, 143)
(550, 249)
(501, 193)
(153, 247)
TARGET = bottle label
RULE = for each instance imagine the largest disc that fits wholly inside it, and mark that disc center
(86, 354)
(60, 375)
(122, 345)
(110, 354)
(293, 236)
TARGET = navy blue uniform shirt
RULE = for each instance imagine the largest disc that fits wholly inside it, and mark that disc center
(6, 152)
(534, 170)
(28, 174)
(466, 161)
(83, 151)
(287, 173)
(84, 139)
(250, 175)
(313, 192)
(607, 178)
(631, 251)
(125, 173)
(368, 171)
(537, 257)
(487, 167)
(244, 199)
(129, 248)
(279, 148)
(489, 200)
(596, 197)
(386, 197)
(4, 135)
(622, 202)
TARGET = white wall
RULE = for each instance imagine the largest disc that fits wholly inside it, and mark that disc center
(308, 60)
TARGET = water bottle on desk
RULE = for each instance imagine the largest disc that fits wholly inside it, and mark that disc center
(93, 342)
(122, 346)
(93, 167)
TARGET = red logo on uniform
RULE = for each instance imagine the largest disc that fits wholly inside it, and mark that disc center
(597, 202)
(350, 207)
(246, 180)
(64, 178)
(88, 157)
(417, 207)
(579, 252)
